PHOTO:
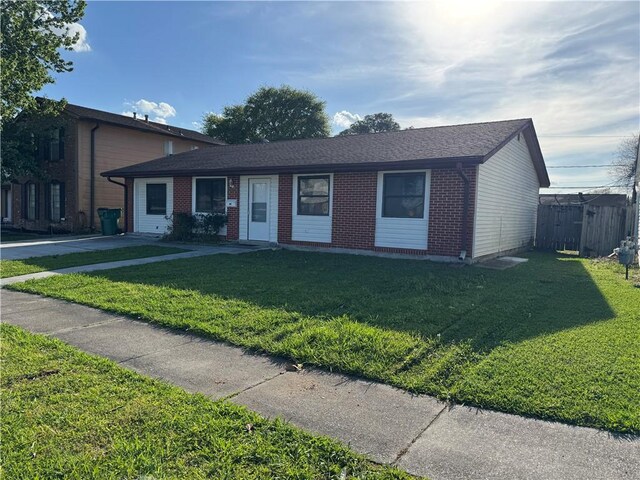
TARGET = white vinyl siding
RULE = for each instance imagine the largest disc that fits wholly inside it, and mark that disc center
(243, 212)
(311, 228)
(507, 200)
(411, 233)
(144, 223)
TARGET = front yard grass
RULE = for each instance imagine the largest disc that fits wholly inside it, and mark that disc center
(557, 337)
(66, 414)
(13, 268)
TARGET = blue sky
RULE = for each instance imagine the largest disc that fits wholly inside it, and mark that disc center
(573, 67)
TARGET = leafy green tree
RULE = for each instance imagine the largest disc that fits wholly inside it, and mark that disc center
(24, 141)
(271, 114)
(230, 127)
(377, 122)
(32, 32)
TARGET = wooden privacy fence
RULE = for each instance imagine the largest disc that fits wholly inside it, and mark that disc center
(592, 230)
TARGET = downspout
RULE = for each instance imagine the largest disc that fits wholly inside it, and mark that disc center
(465, 212)
(126, 203)
(92, 188)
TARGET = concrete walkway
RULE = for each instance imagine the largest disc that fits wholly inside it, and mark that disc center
(70, 244)
(418, 433)
(191, 251)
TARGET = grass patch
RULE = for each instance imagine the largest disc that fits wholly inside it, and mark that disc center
(13, 268)
(66, 414)
(14, 236)
(556, 337)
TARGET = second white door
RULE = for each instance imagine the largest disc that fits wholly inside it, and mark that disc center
(259, 208)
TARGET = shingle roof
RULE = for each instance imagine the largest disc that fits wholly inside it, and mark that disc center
(138, 124)
(414, 148)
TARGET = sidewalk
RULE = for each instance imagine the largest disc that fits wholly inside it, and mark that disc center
(418, 433)
(193, 251)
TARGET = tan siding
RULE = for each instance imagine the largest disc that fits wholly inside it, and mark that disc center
(507, 200)
(117, 147)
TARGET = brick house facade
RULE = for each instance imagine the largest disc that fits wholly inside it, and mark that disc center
(444, 208)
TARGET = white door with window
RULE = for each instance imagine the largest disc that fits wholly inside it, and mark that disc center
(153, 205)
(259, 209)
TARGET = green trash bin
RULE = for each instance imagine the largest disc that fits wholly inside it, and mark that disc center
(109, 220)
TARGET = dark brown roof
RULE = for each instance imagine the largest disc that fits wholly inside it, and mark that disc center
(138, 124)
(415, 148)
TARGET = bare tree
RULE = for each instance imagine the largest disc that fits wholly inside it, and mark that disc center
(623, 168)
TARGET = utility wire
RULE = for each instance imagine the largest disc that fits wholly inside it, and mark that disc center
(580, 166)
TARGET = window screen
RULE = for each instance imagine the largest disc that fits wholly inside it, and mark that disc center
(403, 195)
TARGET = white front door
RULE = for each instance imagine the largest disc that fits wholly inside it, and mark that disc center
(259, 208)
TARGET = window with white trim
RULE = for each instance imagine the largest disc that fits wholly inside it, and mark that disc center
(403, 195)
(56, 201)
(313, 195)
(156, 198)
(211, 194)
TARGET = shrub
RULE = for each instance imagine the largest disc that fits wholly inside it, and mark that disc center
(199, 226)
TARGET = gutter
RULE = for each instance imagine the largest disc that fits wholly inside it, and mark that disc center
(126, 202)
(92, 188)
(465, 212)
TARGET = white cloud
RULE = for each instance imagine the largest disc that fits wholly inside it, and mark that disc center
(344, 119)
(82, 43)
(158, 112)
(69, 30)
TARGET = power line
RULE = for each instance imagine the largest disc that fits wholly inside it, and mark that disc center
(585, 186)
(584, 136)
(580, 166)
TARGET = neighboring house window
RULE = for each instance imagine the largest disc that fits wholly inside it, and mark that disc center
(6, 201)
(313, 195)
(52, 146)
(156, 198)
(194, 147)
(403, 195)
(30, 201)
(168, 147)
(56, 201)
(211, 195)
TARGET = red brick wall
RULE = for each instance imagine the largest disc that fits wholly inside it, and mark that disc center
(285, 199)
(354, 213)
(182, 195)
(445, 211)
(233, 213)
(354, 210)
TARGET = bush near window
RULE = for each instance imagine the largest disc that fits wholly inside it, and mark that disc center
(192, 227)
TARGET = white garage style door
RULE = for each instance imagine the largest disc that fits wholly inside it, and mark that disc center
(153, 204)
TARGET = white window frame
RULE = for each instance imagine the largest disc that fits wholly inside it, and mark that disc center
(384, 225)
(193, 193)
(168, 147)
(295, 194)
(380, 193)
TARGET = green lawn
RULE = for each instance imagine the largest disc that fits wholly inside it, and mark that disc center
(66, 414)
(556, 337)
(14, 236)
(13, 268)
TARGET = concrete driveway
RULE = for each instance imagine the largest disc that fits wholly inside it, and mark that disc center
(54, 246)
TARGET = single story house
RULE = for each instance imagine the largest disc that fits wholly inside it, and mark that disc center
(454, 192)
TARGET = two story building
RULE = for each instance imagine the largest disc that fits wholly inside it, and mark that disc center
(72, 155)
